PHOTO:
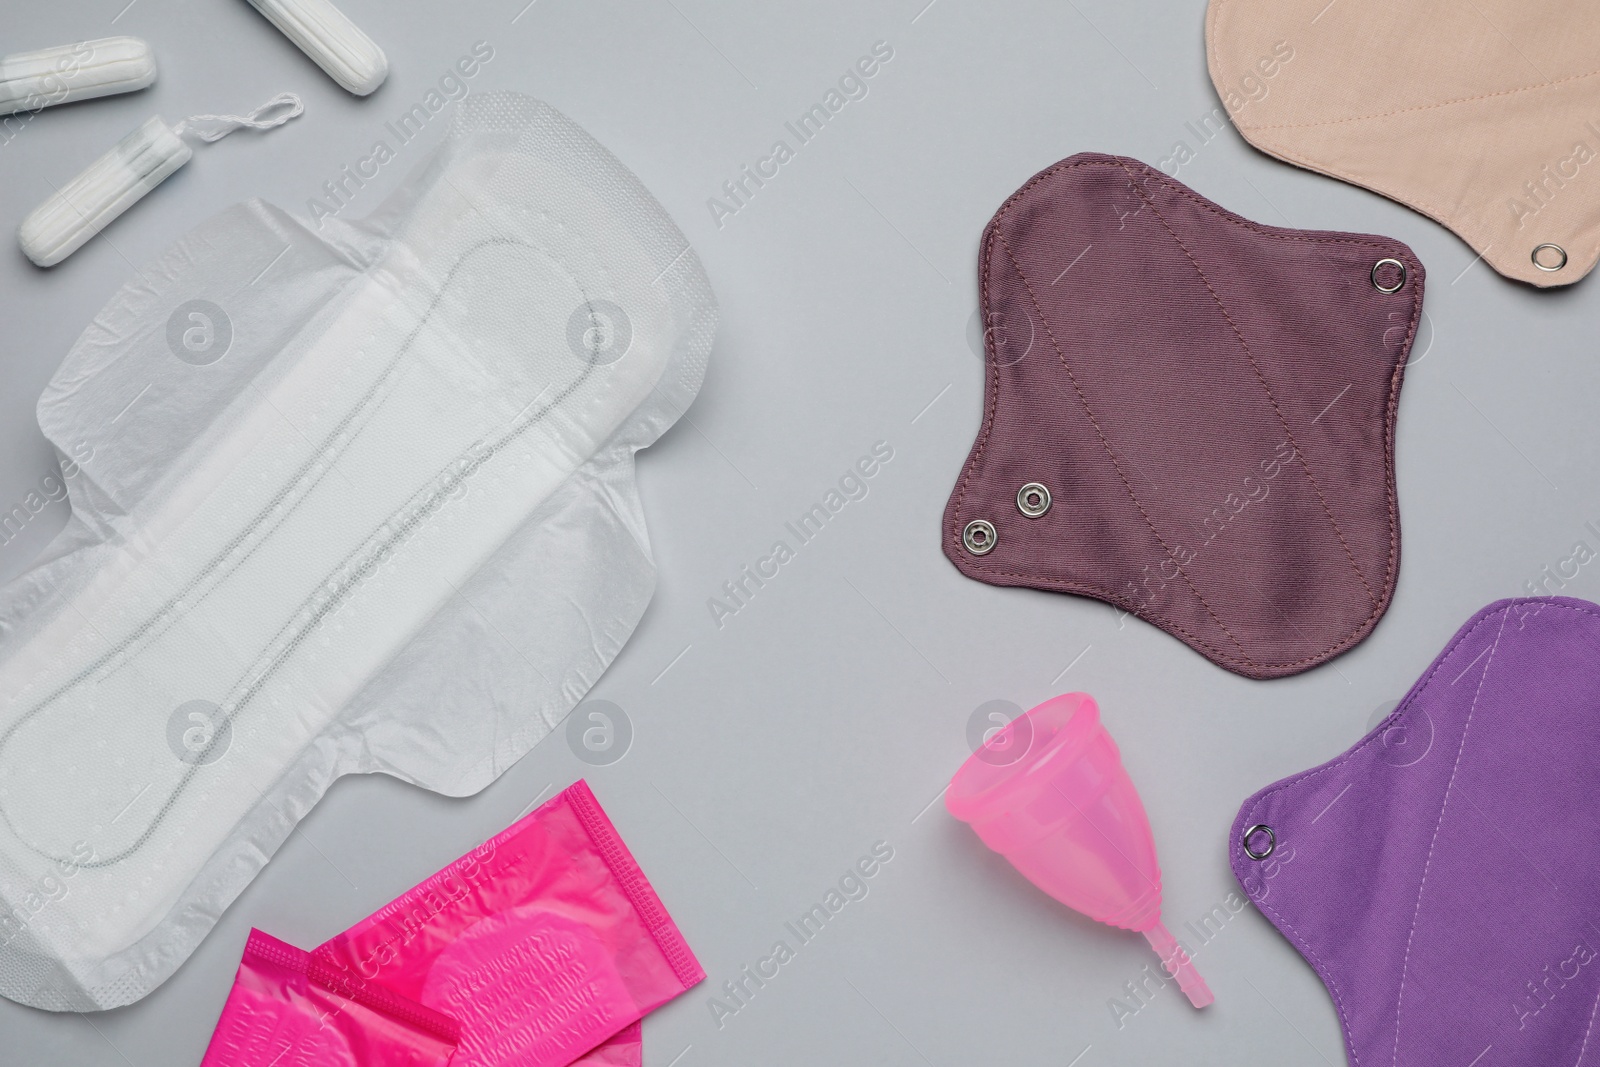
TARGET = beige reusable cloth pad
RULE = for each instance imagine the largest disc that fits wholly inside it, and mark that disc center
(1481, 114)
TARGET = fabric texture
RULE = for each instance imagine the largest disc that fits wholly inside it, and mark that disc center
(1440, 876)
(1484, 116)
(344, 500)
(1209, 405)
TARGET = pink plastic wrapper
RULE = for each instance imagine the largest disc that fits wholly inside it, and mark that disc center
(624, 1050)
(288, 1010)
(544, 942)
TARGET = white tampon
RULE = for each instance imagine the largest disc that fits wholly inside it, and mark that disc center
(113, 183)
(327, 35)
(33, 80)
(107, 187)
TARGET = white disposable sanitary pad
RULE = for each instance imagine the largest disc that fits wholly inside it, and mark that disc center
(348, 501)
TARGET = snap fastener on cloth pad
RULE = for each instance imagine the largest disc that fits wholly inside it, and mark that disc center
(344, 500)
(1211, 403)
(1441, 876)
(1484, 116)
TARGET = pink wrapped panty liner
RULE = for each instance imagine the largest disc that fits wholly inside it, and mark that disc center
(544, 946)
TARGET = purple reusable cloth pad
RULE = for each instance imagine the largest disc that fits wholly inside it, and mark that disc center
(1443, 876)
(1188, 415)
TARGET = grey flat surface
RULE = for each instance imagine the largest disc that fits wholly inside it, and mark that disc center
(771, 752)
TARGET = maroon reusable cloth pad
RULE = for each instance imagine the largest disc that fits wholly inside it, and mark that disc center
(1443, 876)
(1209, 404)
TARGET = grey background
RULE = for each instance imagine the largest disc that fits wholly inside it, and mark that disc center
(772, 752)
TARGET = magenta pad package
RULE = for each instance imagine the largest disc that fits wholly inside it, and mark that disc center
(1188, 415)
(542, 943)
(288, 1010)
(1442, 877)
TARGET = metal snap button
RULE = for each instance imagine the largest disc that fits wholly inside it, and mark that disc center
(1553, 266)
(1376, 284)
(1033, 500)
(1259, 828)
(979, 537)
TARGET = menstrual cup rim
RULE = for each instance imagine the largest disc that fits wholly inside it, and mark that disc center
(971, 803)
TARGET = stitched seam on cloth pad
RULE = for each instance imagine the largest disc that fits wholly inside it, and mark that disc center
(1111, 454)
(1408, 198)
(1322, 969)
(1422, 107)
(1305, 464)
(1466, 221)
(1427, 866)
(993, 399)
(1116, 599)
(1458, 221)
(1586, 1032)
(1417, 692)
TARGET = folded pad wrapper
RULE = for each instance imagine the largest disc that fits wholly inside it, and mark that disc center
(544, 943)
(288, 1010)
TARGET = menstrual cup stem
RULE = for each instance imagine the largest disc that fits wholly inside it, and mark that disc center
(1177, 963)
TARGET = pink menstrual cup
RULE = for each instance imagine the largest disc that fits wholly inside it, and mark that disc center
(1048, 793)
